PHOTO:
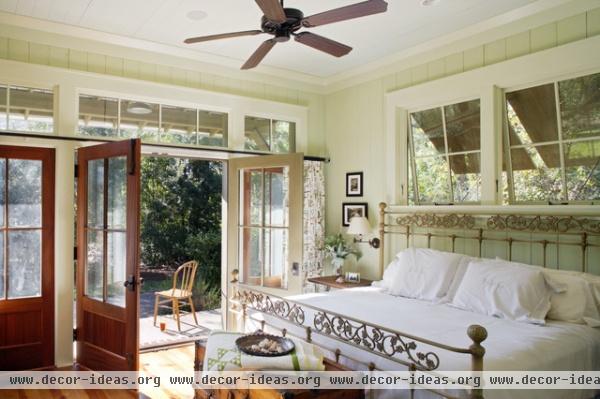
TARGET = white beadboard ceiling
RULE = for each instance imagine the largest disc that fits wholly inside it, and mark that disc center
(406, 25)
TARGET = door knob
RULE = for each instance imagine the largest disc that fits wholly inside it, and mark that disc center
(130, 283)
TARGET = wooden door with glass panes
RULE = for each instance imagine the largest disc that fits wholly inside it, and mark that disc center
(108, 220)
(26, 257)
(265, 196)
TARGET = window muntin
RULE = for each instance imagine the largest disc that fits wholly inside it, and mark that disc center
(20, 228)
(152, 122)
(444, 159)
(550, 130)
(26, 109)
(269, 135)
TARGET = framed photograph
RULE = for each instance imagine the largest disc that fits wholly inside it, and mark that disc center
(353, 277)
(354, 184)
(350, 210)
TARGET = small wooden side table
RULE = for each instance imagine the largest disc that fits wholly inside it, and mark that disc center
(329, 282)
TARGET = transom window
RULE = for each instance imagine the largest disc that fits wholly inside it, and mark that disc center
(444, 154)
(159, 123)
(269, 135)
(552, 141)
(26, 109)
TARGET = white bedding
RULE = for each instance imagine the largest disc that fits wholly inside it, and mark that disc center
(510, 345)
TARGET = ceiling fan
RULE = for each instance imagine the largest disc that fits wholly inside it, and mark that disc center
(283, 23)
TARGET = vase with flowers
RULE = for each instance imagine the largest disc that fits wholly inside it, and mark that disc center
(337, 248)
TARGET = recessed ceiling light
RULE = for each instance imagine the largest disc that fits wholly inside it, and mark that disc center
(196, 15)
(429, 2)
(139, 108)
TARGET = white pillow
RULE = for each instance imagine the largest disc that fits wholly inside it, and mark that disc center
(498, 288)
(575, 296)
(458, 276)
(389, 275)
(424, 273)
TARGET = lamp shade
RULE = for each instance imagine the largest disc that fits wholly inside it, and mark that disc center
(359, 226)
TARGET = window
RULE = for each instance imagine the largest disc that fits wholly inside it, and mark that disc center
(20, 228)
(159, 123)
(552, 137)
(264, 226)
(445, 154)
(26, 109)
(270, 135)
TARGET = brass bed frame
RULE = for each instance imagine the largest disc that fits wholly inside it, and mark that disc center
(544, 234)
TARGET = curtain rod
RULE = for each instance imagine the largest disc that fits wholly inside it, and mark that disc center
(9, 133)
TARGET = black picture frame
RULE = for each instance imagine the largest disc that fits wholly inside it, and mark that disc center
(354, 184)
(347, 207)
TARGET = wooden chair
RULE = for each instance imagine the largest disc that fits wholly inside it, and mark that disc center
(176, 295)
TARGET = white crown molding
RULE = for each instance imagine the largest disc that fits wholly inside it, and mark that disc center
(530, 16)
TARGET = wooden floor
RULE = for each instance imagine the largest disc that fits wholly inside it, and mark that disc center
(171, 361)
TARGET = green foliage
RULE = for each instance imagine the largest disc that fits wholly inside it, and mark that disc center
(336, 246)
(181, 215)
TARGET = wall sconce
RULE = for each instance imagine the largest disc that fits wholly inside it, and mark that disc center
(359, 226)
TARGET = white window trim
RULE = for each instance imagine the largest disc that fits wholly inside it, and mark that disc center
(488, 84)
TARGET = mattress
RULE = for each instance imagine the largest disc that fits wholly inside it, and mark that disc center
(510, 345)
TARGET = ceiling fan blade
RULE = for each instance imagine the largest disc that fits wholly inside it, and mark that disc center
(324, 44)
(344, 13)
(273, 10)
(222, 36)
(259, 54)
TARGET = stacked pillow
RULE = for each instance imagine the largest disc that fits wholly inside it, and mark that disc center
(494, 287)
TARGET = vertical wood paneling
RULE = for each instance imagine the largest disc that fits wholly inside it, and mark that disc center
(518, 45)
(544, 37)
(473, 58)
(389, 83)
(192, 79)
(96, 63)
(571, 29)
(131, 69)
(494, 52)
(436, 69)
(114, 66)
(39, 53)
(147, 71)
(78, 60)
(178, 76)
(18, 50)
(403, 79)
(593, 22)
(163, 74)
(418, 74)
(454, 63)
(59, 57)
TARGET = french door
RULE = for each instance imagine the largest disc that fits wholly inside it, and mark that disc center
(108, 219)
(265, 195)
(26, 257)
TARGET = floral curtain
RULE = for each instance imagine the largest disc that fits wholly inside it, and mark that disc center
(314, 222)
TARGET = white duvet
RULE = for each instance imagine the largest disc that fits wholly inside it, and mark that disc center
(510, 345)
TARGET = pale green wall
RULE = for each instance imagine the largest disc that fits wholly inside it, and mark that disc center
(26, 51)
(354, 117)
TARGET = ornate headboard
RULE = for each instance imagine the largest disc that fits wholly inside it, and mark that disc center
(559, 242)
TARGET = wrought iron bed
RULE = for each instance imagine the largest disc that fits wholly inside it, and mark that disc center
(545, 236)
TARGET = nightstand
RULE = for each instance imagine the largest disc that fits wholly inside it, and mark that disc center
(329, 282)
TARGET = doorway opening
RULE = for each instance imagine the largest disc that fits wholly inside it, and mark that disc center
(180, 223)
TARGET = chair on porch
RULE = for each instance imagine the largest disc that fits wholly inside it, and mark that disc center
(176, 295)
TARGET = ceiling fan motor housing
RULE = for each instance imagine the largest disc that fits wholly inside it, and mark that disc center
(282, 31)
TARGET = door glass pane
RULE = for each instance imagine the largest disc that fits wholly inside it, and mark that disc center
(98, 116)
(466, 178)
(432, 179)
(2, 190)
(275, 257)
(283, 137)
(1, 265)
(276, 212)
(212, 128)
(95, 193)
(139, 119)
(31, 110)
(24, 193)
(178, 125)
(536, 173)
(24, 264)
(251, 192)
(532, 115)
(95, 271)
(580, 107)
(582, 168)
(250, 253)
(463, 127)
(3, 92)
(428, 132)
(258, 133)
(116, 261)
(117, 192)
